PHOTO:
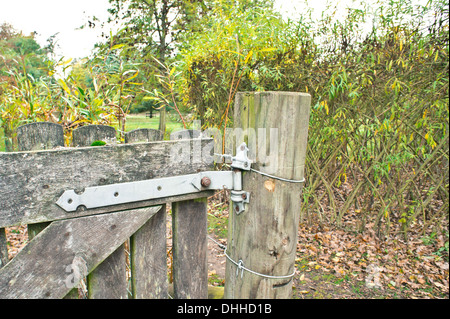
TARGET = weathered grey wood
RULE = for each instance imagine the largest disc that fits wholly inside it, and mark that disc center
(185, 134)
(189, 242)
(35, 180)
(148, 255)
(143, 135)
(108, 280)
(93, 133)
(58, 257)
(264, 237)
(149, 259)
(3, 248)
(190, 266)
(34, 137)
(40, 136)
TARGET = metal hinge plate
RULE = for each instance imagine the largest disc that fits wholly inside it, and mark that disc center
(108, 195)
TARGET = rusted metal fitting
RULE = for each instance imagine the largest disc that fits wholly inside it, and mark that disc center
(205, 181)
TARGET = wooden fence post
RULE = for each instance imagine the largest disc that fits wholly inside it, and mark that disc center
(148, 255)
(189, 223)
(108, 280)
(264, 237)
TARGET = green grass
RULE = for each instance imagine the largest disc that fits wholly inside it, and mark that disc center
(137, 121)
(217, 224)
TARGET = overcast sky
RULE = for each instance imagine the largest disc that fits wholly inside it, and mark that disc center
(47, 17)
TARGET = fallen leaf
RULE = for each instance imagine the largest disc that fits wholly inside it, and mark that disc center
(304, 291)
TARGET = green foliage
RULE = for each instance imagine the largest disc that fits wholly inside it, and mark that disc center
(98, 143)
(95, 91)
(235, 52)
(379, 86)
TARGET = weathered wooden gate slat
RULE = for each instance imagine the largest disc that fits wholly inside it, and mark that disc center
(66, 251)
(148, 255)
(39, 136)
(189, 224)
(108, 280)
(33, 181)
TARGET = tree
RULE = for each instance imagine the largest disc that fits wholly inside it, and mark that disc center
(152, 28)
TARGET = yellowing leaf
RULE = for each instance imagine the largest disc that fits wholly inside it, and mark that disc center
(304, 292)
(117, 46)
(325, 105)
(249, 55)
(64, 85)
(131, 77)
(267, 49)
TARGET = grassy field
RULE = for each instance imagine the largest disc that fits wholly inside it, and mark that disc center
(134, 121)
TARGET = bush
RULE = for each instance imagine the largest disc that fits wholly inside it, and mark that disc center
(378, 136)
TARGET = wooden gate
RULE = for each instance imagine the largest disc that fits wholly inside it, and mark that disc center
(66, 247)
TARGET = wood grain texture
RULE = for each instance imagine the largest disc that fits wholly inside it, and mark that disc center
(34, 137)
(189, 242)
(143, 135)
(85, 135)
(57, 258)
(149, 259)
(190, 266)
(108, 280)
(148, 255)
(33, 181)
(264, 236)
(40, 136)
(185, 134)
(3, 248)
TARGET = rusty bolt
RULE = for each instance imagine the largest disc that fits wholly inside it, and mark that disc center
(205, 181)
(244, 196)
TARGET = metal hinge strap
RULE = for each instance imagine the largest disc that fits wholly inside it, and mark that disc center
(122, 193)
(114, 194)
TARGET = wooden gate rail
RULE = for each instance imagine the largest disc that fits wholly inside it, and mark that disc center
(33, 181)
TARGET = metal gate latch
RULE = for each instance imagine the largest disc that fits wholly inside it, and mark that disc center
(122, 193)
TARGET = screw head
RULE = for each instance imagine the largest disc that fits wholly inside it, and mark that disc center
(205, 181)
(244, 196)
